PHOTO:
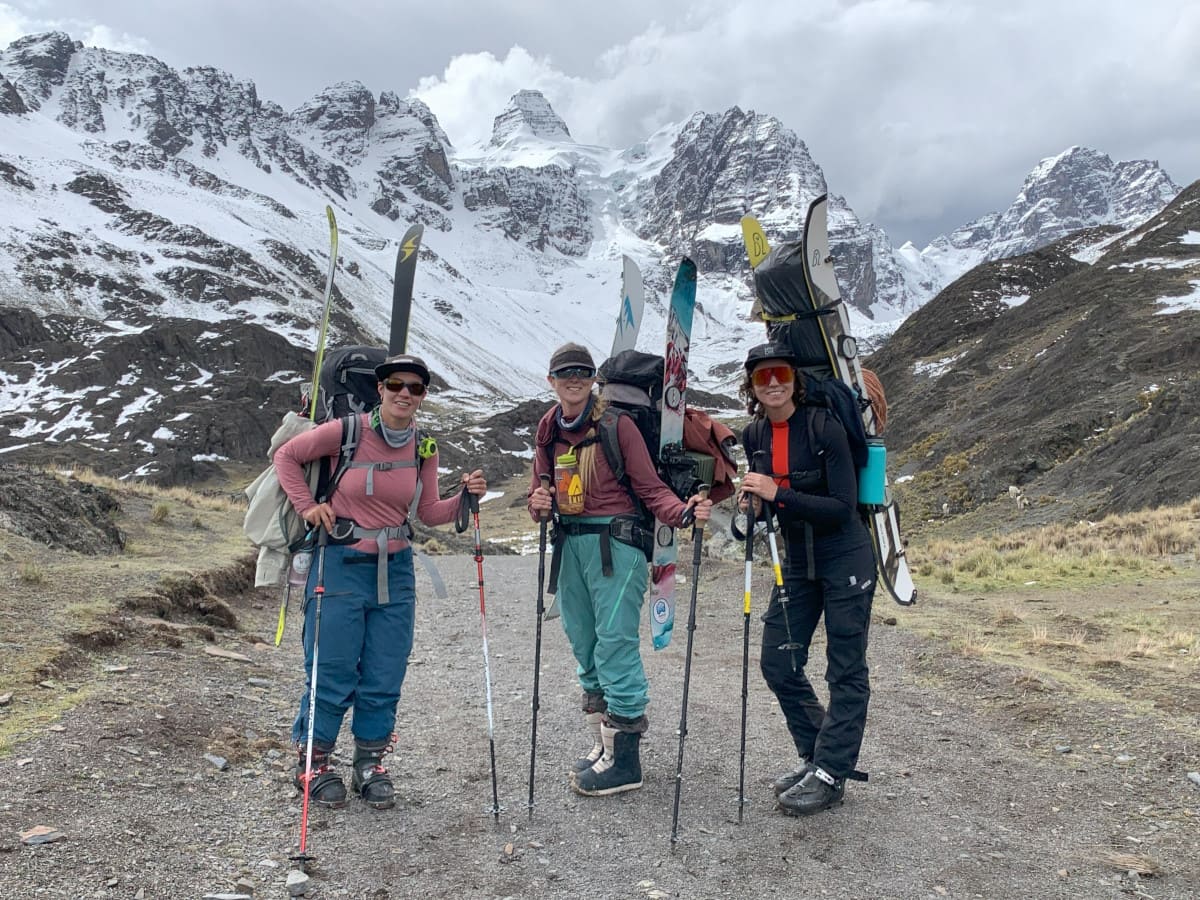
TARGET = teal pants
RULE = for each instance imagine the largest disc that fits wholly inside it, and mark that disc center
(601, 616)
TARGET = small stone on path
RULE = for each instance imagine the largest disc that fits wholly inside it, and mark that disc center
(219, 761)
(297, 883)
(6, 698)
(1062, 748)
(1194, 778)
(226, 654)
(41, 834)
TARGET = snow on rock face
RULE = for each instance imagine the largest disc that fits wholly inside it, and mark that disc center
(529, 114)
(138, 197)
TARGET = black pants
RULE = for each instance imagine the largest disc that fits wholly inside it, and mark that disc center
(831, 737)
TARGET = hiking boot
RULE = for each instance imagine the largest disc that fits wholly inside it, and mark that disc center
(783, 782)
(326, 787)
(618, 770)
(370, 779)
(816, 791)
(589, 759)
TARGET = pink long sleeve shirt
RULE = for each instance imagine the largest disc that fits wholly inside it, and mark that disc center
(393, 489)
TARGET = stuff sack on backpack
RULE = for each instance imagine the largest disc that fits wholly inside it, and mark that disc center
(272, 523)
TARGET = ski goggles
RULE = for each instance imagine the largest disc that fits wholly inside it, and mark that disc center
(395, 385)
(762, 377)
(573, 372)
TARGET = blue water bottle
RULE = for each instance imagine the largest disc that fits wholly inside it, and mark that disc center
(872, 478)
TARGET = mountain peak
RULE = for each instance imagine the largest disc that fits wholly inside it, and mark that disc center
(531, 112)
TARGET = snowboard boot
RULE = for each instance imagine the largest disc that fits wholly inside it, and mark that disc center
(620, 768)
(326, 788)
(785, 781)
(371, 780)
(592, 756)
(816, 791)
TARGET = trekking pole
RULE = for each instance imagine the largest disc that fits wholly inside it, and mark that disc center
(746, 654)
(697, 540)
(319, 591)
(473, 500)
(537, 646)
(780, 590)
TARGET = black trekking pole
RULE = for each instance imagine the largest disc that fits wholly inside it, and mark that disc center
(697, 540)
(746, 653)
(537, 646)
(319, 591)
(473, 501)
(780, 589)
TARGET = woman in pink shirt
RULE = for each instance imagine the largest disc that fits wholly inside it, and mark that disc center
(369, 602)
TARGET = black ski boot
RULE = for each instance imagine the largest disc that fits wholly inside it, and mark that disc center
(783, 782)
(620, 768)
(589, 759)
(816, 791)
(371, 779)
(326, 788)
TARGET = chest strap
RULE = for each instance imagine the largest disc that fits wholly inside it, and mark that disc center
(373, 467)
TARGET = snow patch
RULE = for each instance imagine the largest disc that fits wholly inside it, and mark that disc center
(938, 368)
(1186, 303)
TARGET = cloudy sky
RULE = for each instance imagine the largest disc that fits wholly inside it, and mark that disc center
(924, 114)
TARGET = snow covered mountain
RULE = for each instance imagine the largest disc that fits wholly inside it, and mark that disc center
(154, 211)
(1078, 189)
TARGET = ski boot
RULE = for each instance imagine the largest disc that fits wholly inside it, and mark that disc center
(326, 788)
(816, 791)
(783, 782)
(370, 779)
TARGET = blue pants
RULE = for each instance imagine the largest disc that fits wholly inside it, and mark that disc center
(601, 616)
(364, 645)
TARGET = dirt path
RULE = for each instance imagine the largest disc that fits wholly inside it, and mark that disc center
(973, 791)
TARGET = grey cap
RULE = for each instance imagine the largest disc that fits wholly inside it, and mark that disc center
(571, 355)
(403, 363)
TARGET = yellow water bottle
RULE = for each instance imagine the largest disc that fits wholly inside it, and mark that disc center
(568, 484)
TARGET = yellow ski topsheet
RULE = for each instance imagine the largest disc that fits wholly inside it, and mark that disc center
(757, 247)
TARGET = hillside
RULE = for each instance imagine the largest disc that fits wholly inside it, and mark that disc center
(1078, 383)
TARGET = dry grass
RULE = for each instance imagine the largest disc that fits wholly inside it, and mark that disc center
(1133, 545)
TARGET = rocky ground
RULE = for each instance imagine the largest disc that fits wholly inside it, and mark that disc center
(158, 757)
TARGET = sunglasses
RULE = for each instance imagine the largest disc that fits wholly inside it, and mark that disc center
(782, 374)
(415, 388)
(573, 372)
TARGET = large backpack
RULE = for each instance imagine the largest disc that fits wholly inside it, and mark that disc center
(348, 386)
(833, 397)
(632, 384)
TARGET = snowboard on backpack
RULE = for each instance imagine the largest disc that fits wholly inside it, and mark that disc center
(802, 307)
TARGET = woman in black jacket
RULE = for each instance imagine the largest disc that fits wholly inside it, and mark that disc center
(801, 472)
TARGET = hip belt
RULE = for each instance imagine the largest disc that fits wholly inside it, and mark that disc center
(347, 531)
(626, 529)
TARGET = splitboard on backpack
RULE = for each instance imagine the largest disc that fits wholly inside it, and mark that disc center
(801, 304)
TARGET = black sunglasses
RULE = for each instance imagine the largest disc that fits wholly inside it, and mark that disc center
(415, 388)
(573, 372)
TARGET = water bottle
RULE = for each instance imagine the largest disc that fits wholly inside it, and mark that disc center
(872, 478)
(569, 484)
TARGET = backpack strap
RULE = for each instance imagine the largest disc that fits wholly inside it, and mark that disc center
(351, 436)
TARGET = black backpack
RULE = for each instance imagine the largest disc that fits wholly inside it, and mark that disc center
(827, 397)
(348, 382)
